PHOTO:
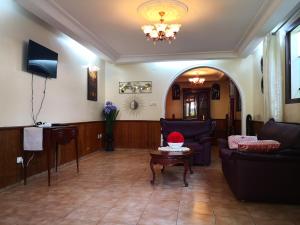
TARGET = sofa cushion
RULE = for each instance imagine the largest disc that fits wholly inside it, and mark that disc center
(262, 146)
(234, 140)
(286, 133)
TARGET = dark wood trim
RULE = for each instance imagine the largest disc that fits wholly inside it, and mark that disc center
(288, 99)
(137, 134)
(196, 91)
(134, 121)
(11, 147)
(257, 125)
(69, 123)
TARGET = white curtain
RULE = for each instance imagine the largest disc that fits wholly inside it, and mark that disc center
(273, 76)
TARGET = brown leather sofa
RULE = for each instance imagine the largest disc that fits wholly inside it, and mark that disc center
(270, 177)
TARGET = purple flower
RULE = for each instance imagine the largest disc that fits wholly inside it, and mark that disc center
(107, 110)
(108, 103)
(110, 111)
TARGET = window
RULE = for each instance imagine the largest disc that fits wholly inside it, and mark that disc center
(292, 80)
(196, 104)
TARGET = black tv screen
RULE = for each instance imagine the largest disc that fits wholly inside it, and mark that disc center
(41, 60)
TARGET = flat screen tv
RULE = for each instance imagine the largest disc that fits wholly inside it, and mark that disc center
(41, 60)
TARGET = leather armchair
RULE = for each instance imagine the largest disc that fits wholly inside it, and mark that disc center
(197, 136)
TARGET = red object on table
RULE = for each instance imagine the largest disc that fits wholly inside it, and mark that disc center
(175, 137)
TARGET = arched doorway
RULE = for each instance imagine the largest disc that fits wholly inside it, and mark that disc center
(203, 93)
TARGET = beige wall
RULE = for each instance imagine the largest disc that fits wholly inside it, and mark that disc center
(66, 96)
(291, 112)
(162, 75)
(258, 97)
(218, 108)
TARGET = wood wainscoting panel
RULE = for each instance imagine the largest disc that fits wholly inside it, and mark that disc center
(10, 149)
(257, 125)
(221, 128)
(238, 127)
(137, 134)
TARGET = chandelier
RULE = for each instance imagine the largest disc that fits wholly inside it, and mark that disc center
(197, 80)
(166, 12)
(161, 31)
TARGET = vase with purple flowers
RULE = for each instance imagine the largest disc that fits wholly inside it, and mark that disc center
(110, 113)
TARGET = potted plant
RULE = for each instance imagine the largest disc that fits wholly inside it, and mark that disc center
(110, 113)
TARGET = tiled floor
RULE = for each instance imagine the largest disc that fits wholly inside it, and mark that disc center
(114, 188)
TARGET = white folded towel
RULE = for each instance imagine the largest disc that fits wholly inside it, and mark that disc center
(33, 139)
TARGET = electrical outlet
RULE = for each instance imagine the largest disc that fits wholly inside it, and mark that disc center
(19, 160)
(99, 136)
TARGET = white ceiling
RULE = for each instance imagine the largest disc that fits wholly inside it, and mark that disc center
(211, 29)
(208, 73)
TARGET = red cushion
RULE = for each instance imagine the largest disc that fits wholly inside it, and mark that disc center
(175, 137)
(259, 146)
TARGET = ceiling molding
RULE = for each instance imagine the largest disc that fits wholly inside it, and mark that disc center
(178, 57)
(50, 12)
(256, 24)
(270, 14)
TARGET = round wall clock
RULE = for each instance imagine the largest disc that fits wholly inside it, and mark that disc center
(133, 105)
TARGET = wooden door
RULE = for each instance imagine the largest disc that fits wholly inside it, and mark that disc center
(196, 104)
(204, 105)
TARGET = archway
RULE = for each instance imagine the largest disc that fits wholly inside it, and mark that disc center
(217, 98)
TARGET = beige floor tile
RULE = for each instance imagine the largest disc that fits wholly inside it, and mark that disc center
(229, 211)
(122, 215)
(234, 220)
(196, 208)
(88, 213)
(114, 189)
(154, 219)
(195, 219)
(273, 222)
(75, 222)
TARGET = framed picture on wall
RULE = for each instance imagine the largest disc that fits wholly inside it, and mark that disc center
(176, 92)
(92, 85)
(215, 92)
(135, 87)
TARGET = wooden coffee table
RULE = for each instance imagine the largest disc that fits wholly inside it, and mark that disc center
(165, 158)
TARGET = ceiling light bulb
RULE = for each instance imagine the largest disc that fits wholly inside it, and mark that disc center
(197, 80)
(154, 34)
(175, 27)
(164, 11)
(147, 29)
(169, 33)
(161, 26)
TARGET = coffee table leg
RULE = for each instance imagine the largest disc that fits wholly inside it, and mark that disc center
(186, 168)
(153, 172)
(190, 166)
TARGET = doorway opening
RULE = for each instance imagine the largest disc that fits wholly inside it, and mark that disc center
(205, 93)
